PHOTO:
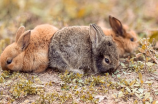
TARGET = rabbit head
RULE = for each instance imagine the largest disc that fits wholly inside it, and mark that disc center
(14, 52)
(105, 55)
(125, 39)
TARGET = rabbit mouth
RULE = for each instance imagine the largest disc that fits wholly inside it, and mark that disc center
(104, 69)
(5, 68)
(107, 70)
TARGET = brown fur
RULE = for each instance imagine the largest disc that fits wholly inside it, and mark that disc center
(30, 50)
(122, 36)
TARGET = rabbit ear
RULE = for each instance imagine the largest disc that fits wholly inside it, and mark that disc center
(116, 26)
(24, 40)
(19, 32)
(96, 34)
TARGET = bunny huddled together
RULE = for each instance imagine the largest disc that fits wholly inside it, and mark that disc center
(78, 49)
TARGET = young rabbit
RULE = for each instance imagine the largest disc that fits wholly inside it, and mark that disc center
(82, 49)
(125, 40)
(29, 52)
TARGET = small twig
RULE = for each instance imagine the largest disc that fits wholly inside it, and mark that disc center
(145, 64)
(155, 76)
(154, 59)
(128, 68)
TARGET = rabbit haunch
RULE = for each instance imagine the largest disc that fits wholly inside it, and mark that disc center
(29, 52)
(82, 49)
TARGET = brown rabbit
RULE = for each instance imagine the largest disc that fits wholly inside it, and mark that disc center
(29, 52)
(126, 41)
(82, 49)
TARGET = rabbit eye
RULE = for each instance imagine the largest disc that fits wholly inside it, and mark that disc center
(107, 60)
(132, 39)
(9, 61)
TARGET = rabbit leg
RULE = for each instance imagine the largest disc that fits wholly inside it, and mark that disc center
(58, 61)
(80, 71)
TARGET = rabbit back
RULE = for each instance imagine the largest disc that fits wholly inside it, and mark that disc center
(71, 48)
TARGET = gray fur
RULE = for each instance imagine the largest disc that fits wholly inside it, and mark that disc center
(81, 49)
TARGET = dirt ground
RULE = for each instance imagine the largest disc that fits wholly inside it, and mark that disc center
(111, 89)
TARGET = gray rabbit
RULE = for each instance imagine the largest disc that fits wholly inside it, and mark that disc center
(81, 49)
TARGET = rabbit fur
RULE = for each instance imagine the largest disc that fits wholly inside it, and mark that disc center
(125, 39)
(82, 49)
(29, 52)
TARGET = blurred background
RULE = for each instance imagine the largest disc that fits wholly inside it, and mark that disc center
(139, 15)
